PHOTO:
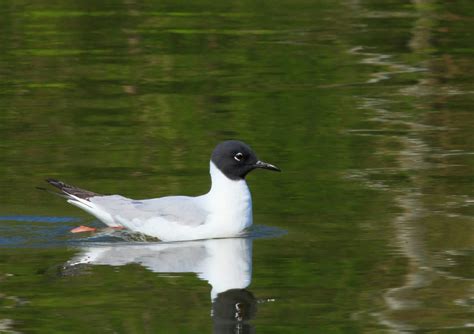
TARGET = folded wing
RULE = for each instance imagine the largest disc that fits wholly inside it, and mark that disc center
(178, 209)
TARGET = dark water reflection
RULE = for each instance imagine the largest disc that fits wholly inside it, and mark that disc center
(226, 264)
(365, 105)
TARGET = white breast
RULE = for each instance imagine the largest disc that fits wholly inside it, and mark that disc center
(229, 203)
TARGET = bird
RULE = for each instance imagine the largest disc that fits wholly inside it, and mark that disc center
(224, 211)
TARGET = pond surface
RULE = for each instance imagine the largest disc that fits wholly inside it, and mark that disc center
(366, 106)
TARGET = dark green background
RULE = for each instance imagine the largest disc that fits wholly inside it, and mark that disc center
(365, 105)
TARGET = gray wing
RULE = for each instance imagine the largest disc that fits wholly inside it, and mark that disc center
(180, 209)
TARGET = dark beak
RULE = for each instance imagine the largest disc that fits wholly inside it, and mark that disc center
(264, 165)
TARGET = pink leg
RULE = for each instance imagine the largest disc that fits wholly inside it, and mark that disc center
(83, 228)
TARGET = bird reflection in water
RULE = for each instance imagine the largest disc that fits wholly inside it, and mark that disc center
(226, 264)
(231, 311)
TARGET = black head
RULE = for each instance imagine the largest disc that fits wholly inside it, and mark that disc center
(236, 159)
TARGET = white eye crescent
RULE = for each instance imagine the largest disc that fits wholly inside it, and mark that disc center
(239, 156)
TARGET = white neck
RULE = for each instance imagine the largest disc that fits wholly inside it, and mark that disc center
(220, 182)
(229, 201)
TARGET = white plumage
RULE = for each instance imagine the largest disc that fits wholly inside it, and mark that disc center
(226, 210)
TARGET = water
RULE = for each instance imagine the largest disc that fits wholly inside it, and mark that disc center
(365, 105)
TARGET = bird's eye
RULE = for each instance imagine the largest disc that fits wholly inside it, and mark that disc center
(239, 156)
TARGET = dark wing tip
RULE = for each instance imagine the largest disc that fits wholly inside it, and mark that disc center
(55, 182)
(58, 184)
(71, 190)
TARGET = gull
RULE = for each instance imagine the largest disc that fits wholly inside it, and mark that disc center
(225, 211)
